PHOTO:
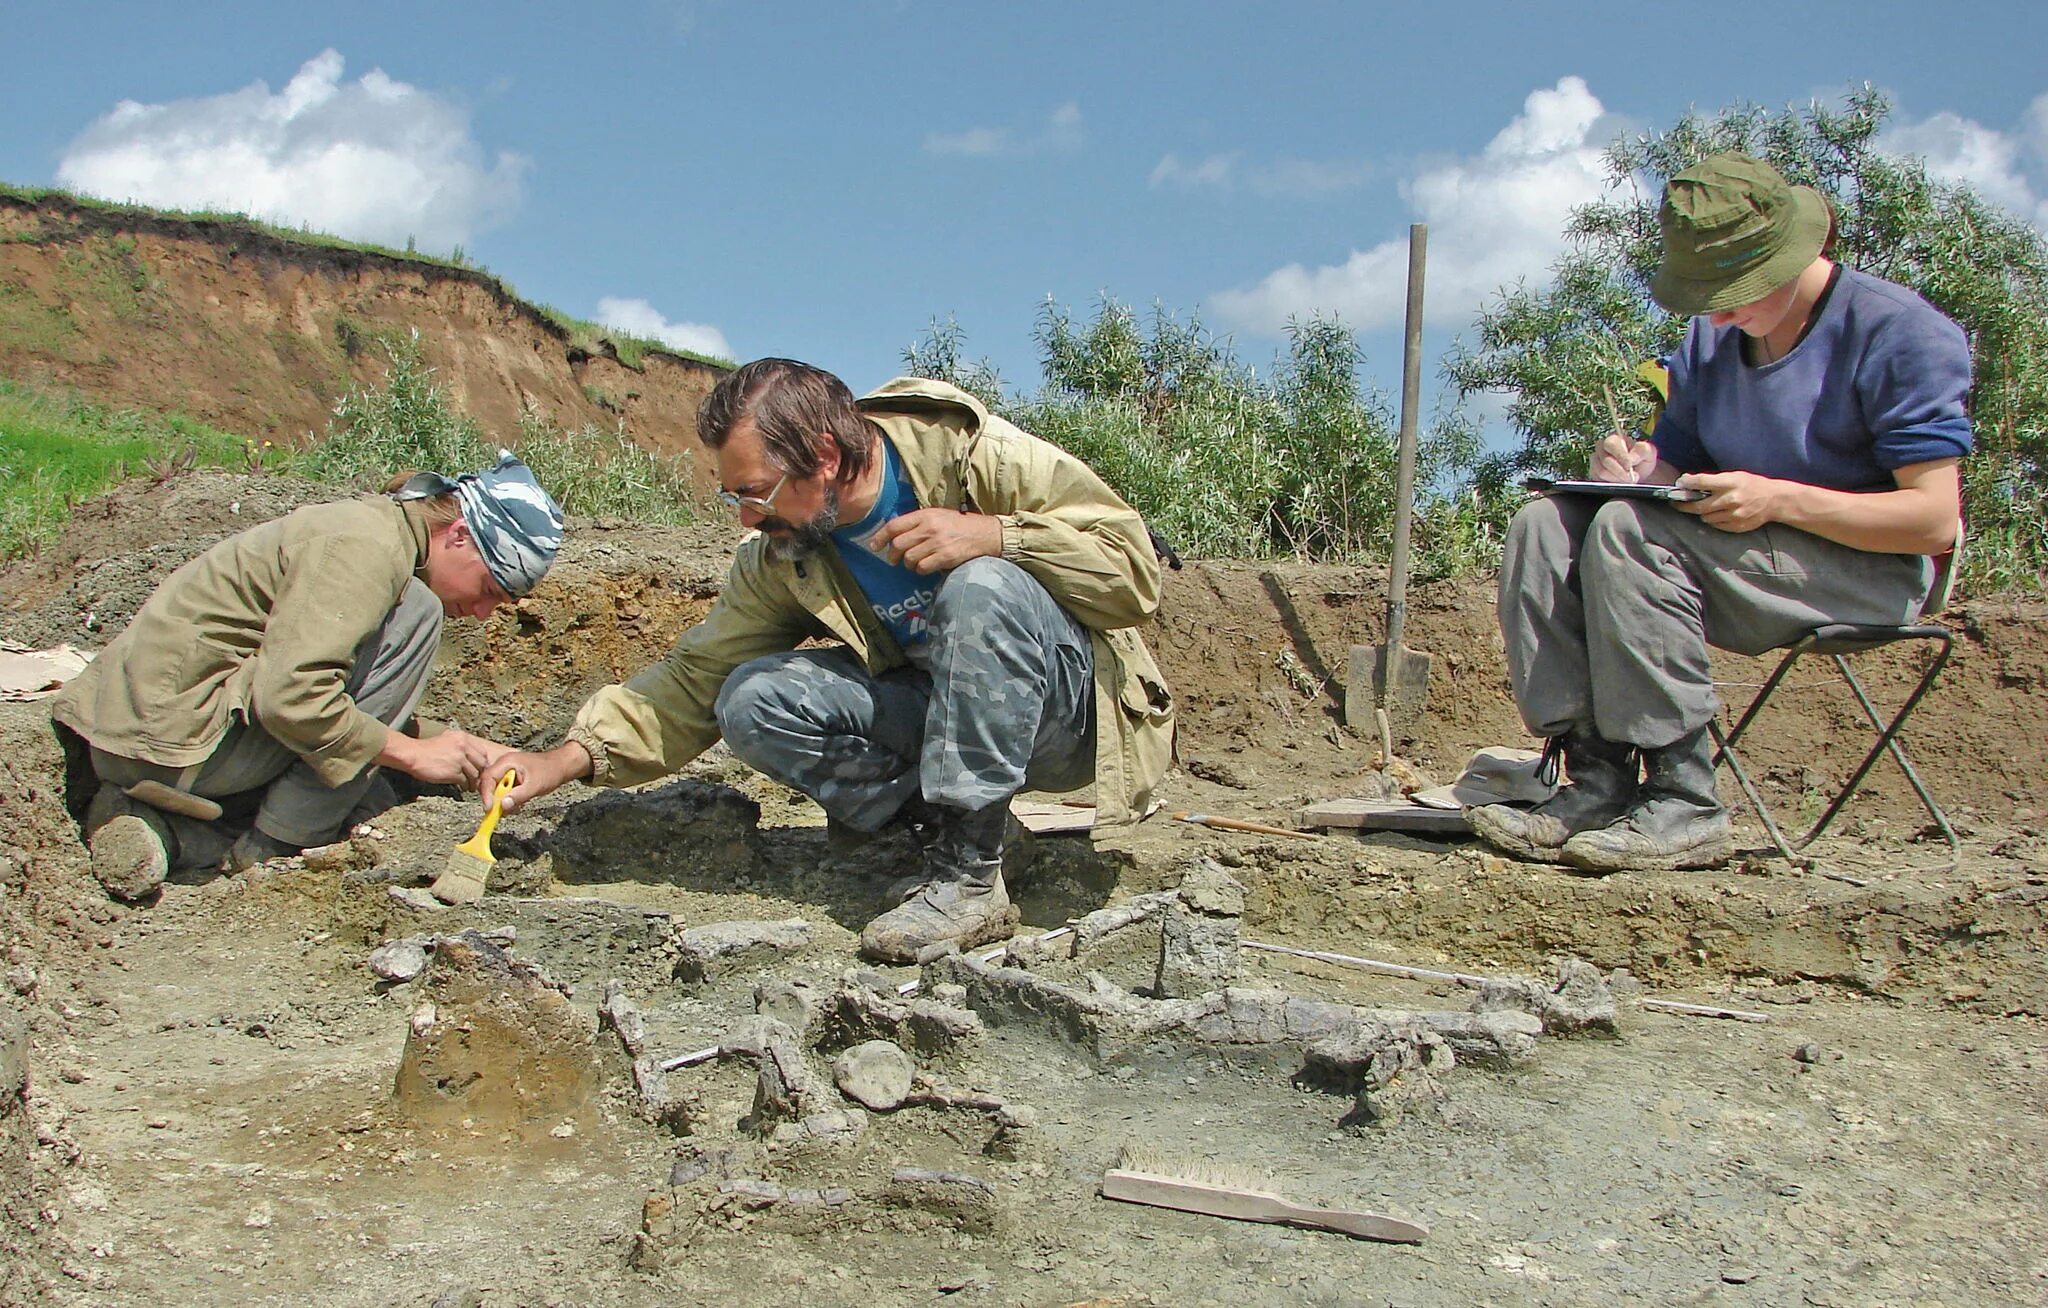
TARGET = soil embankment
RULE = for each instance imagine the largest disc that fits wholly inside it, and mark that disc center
(257, 334)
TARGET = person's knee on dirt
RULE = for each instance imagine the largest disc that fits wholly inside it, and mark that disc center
(1600, 785)
(277, 661)
(130, 843)
(1820, 413)
(981, 585)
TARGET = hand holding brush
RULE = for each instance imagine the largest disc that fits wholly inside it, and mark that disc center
(469, 864)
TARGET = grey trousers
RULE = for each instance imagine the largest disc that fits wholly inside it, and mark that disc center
(1607, 608)
(390, 674)
(1006, 701)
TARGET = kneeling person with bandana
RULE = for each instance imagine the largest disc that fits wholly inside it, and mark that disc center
(272, 673)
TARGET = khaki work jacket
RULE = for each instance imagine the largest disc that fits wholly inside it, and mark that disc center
(1060, 523)
(262, 628)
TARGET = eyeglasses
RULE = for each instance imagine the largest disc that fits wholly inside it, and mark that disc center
(762, 504)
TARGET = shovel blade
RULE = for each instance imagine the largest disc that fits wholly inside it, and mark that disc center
(1394, 678)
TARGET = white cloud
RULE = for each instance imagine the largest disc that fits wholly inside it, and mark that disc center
(1062, 130)
(1494, 218)
(2001, 167)
(639, 318)
(1283, 178)
(372, 160)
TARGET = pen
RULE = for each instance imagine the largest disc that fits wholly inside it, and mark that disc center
(1614, 415)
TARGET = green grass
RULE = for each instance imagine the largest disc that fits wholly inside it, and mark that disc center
(216, 217)
(631, 350)
(57, 450)
(410, 422)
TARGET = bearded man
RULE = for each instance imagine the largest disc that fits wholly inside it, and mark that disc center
(979, 589)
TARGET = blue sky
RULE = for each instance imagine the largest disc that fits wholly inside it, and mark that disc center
(822, 180)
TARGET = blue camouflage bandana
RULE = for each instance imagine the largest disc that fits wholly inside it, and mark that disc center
(517, 525)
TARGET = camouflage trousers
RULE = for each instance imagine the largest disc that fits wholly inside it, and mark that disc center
(1607, 608)
(386, 680)
(1005, 702)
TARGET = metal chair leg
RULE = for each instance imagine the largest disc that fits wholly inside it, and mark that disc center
(1887, 742)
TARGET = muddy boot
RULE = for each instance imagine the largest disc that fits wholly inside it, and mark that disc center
(1675, 823)
(962, 900)
(131, 845)
(1603, 784)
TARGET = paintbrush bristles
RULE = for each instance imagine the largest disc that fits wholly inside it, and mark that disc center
(1203, 1171)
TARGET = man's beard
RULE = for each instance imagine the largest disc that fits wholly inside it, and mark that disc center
(801, 542)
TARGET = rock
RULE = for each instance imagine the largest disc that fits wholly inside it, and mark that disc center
(964, 1202)
(659, 1102)
(341, 856)
(721, 947)
(417, 899)
(1809, 1053)
(875, 1074)
(496, 1046)
(785, 1088)
(1017, 1117)
(398, 961)
(620, 1014)
(1198, 951)
(931, 1029)
(718, 1162)
(1207, 888)
(13, 1060)
(791, 1003)
(1581, 1000)
(834, 1126)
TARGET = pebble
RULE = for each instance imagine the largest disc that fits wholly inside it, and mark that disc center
(1809, 1053)
(875, 1074)
(398, 960)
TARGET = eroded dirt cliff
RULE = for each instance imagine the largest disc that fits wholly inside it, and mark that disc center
(259, 335)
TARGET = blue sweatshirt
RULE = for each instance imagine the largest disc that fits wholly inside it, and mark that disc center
(1879, 381)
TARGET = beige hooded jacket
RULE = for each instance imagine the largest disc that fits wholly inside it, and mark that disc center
(1060, 523)
(261, 627)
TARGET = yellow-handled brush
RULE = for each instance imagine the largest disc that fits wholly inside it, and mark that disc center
(469, 863)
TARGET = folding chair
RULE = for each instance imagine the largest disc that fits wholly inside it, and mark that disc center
(1837, 641)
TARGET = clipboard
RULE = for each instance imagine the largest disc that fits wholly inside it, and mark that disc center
(1626, 490)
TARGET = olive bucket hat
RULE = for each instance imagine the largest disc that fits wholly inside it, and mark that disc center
(1734, 231)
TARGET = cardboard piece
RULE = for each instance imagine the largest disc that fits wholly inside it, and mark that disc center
(1053, 819)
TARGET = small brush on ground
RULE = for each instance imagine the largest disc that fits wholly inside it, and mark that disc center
(1143, 1177)
(469, 863)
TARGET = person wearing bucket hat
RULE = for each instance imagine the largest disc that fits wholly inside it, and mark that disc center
(246, 710)
(1822, 413)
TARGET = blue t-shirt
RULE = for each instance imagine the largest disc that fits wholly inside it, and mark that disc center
(900, 596)
(1878, 382)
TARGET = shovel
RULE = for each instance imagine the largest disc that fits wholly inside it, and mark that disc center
(1389, 683)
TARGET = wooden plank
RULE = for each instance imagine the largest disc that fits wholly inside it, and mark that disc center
(1052, 819)
(1381, 815)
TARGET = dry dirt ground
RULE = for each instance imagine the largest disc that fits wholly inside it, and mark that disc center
(200, 1106)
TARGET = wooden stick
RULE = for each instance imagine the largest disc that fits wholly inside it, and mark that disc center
(1239, 824)
(1469, 979)
(1703, 1010)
